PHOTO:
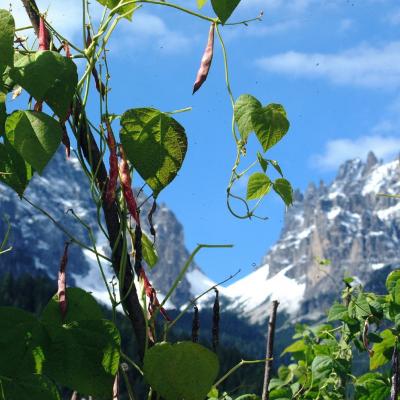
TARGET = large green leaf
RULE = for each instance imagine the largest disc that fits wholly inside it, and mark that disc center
(284, 189)
(14, 171)
(84, 356)
(33, 387)
(245, 105)
(224, 8)
(338, 312)
(179, 371)
(321, 367)
(49, 77)
(126, 10)
(23, 343)
(295, 347)
(35, 136)
(155, 144)
(7, 28)
(269, 123)
(382, 351)
(81, 306)
(372, 386)
(258, 186)
(391, 281)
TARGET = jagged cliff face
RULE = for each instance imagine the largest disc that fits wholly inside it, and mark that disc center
(346, 222)
(38, 244)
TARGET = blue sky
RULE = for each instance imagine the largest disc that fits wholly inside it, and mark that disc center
(333, 64)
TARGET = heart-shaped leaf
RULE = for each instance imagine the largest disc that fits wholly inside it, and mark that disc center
(270, 124)
(183, 370)
(284, 189)
(382, 352)
(259, 185)
(81, 306)
(33, 387)
(49, 77)
(7, 29)
(224, 8)
(35, 136)
(14, 171)
(245, 105)
(155, 144)
(84, 356)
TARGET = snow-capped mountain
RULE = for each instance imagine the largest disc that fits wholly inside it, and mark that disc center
(37, 243)
(348, 223)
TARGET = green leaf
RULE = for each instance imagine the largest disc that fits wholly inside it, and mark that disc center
(295, 347)
(126, 10)
(280, 394)
(372, 386)
(49, 77)
(201, 4)
(382, 352)
(148, 134)
(149, 252)
(276, 166)
(14, 171)
(244, 108)
(224, 8)
(81, 306)
(35, 136)
(259, 185)
(33, 387)
(338, 312)
(321, 367)
(84, 356)
(284, 189)
(270, 125)
(7, 29)
(183, 370)
(23, 343)
(262, 161)
(391, 281)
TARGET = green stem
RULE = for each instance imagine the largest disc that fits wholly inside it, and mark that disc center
(178, 280)
(130, 361)
(236, 367)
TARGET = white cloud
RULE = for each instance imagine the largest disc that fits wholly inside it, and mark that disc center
(364, 65)
(148, 29)
(339, 150)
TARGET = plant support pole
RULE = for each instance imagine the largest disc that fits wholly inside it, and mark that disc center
(395, 377)
(270, 349)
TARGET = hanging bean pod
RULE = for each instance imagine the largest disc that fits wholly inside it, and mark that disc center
(215, 327)
(62, 282)
(126, 184)
(113, 160)
(195, 325)
(205, 64)
(44, 41)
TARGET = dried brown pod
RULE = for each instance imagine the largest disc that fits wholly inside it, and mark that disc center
(205, 64)
(195, 325)
(215, 327)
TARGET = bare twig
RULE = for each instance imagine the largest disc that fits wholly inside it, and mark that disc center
(270, 349)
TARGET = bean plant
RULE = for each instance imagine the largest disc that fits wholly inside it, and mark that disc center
(70, 345)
